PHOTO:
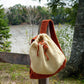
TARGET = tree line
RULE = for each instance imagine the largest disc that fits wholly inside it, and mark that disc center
(19, 14)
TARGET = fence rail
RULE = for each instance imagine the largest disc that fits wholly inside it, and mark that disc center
(15, 58)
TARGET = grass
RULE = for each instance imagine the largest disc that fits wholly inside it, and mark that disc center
(19, 74)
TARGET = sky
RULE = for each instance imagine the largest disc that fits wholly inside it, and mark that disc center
(10, 3)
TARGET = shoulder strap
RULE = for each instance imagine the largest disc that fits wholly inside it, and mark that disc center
(43, 29)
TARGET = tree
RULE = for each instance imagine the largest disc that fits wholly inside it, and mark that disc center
(4, 32)
(32, 15)
(62, 14)
(17, 14)
(72, 13)
(75, 65)
(36, 14)
(43, 13)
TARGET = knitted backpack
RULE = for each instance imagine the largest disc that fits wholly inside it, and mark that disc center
(46, 55)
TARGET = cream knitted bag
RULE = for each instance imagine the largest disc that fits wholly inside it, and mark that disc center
(45, 54)
(46, 57)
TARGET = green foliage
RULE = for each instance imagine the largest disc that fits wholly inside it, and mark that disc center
(4, 32)
(32, 15)
(17, 14)
(61, 14)
(43, 13)
(65, 37)
(65, 15)
(82, 81)
(72, 13)
(54, 3)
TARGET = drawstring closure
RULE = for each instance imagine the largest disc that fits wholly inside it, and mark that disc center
(45, 47)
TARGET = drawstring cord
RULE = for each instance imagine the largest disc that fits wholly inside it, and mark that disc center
(45, 47)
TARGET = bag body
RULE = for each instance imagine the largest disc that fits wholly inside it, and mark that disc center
(45, 53)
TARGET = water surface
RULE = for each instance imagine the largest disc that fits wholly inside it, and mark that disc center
(21, 36)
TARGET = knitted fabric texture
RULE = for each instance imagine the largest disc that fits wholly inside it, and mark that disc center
(46, 54)
(49, 61)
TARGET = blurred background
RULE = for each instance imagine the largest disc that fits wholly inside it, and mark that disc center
(19, 23)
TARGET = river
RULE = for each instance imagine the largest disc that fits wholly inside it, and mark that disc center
(21, 37)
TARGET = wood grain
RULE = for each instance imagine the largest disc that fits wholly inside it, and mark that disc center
(15, 58)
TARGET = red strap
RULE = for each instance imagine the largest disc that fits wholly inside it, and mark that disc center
(34, 38)
(43, 29)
